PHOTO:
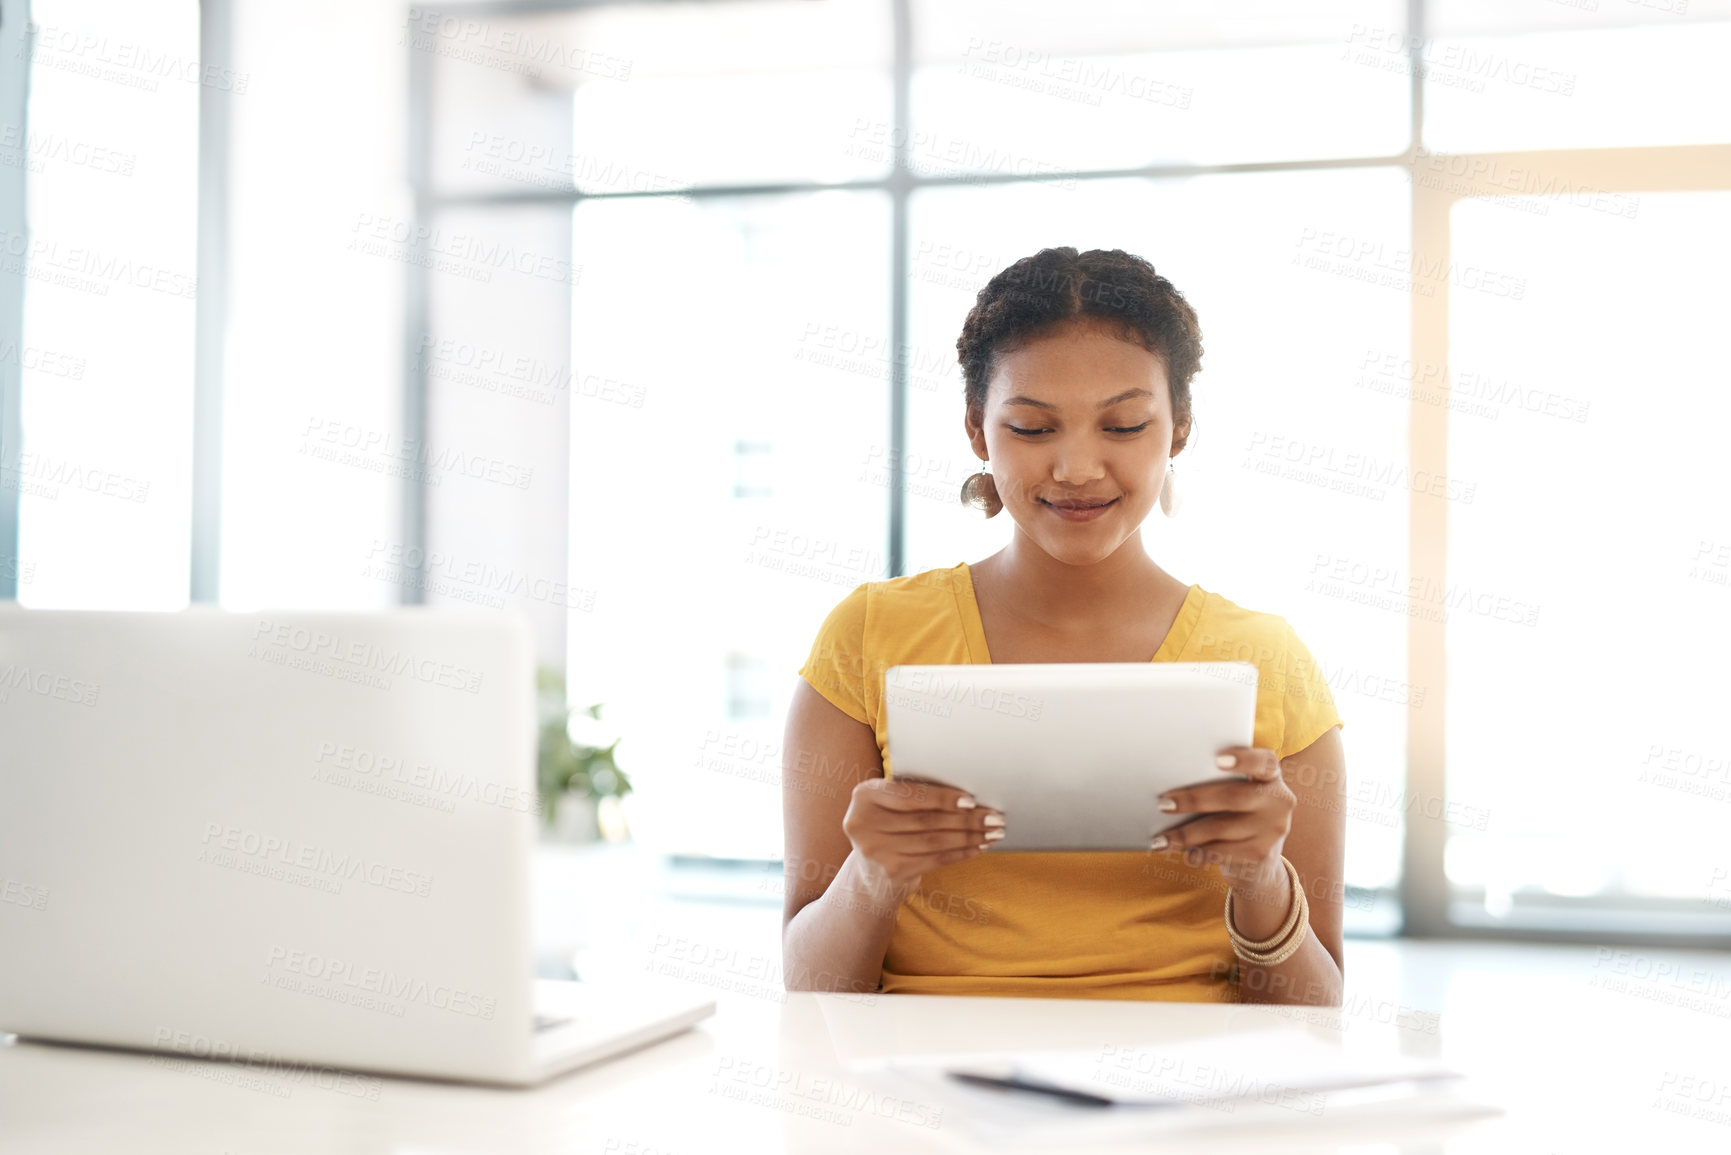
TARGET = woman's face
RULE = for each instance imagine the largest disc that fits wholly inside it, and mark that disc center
(1078, 428)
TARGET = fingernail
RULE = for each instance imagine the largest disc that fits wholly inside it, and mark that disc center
(994, 835)
(1169, 804)
(1159, 842)
(994, 820)
(985, 846)
(1226, 761)
(965, 803)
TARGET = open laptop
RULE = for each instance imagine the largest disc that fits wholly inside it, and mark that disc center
(305, 836)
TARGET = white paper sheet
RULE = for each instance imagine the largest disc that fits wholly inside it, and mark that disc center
(1250, 1081)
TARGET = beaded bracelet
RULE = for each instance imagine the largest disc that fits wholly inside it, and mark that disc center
(1270, 951)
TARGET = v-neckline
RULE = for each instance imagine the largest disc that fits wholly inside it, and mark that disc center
(974, 626)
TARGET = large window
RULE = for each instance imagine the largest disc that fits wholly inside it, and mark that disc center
(640, 319)
(1589, 577)
(131, 192)
(109, 148)
(311, 435)
(786, 303)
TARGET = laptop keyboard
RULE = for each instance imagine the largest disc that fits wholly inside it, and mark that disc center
(548, 1022)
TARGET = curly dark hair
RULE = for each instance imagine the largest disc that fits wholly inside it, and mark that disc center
(1038, 294)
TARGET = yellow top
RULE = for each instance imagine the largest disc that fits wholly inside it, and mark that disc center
(1114, 925)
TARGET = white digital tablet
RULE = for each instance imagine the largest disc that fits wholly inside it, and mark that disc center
(1075, 754)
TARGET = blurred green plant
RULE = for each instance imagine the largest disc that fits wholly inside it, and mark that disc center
(567, 767)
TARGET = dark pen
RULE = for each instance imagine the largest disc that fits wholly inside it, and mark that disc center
(1018, 1083)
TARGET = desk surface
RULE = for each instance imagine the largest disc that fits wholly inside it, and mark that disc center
(1585, 1051)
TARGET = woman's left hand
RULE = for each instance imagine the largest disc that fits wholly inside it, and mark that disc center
(1243, 826)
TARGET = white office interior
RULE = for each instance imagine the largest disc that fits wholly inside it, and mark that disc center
(637, 320)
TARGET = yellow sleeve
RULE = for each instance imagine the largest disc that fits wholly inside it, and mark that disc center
(1307, 703)
(836, 667)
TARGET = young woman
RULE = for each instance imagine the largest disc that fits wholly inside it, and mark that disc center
(1077, 370)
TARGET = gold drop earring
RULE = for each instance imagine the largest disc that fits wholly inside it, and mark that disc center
(980, 491)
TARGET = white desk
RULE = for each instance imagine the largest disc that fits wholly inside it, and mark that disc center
(1585, 1058)
(1588, 1050)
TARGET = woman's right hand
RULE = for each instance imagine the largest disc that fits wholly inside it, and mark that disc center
(902, 828)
